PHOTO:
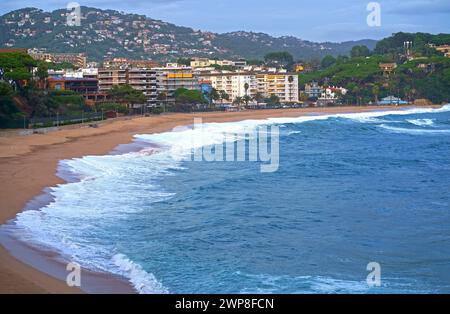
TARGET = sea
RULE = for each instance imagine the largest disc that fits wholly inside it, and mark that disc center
(350, 191)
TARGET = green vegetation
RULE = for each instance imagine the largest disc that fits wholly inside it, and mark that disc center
(427, 75)
(116, 107)
(185, 99)
(21, 100)
(280, 59)
(127, 95)
(16, 66)
(360, 51)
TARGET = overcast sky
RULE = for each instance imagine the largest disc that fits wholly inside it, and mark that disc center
(319, 20)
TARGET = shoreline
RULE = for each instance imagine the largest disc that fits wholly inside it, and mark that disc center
(30, 164)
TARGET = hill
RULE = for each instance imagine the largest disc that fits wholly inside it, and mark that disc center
(107, 33)
(423, 72)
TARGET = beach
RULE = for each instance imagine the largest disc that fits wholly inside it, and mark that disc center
(29, 164)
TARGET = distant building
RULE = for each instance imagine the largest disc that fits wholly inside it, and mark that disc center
(392, 100)
(139, 78)
(121, 62)
(313, 90)
(387, 68)
(20, 50)
(283, 85)
(299, 68)
(331, 96)
(200, 63)
(77, 59)
(79, 85)
(445, 49)
(240, 84)
(173, 77)
(205, 62)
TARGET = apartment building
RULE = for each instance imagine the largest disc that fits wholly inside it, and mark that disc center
(285, 86)
(240, 84)
(174, 76)
(77, 59)
(121, 62)
(139, 78)
(235, 84)
(205, 62)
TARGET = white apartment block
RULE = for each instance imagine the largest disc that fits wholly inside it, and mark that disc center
(205, 62)
(234, 84)
(283, 85)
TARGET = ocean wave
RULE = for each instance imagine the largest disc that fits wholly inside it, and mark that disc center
(269, 284)
(182, 140)
(413, 131)
(421, 122)
(143, 282)
(273, 284)
(78, 222)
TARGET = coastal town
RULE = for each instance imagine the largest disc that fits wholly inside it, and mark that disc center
(232, 82)
(235, 150)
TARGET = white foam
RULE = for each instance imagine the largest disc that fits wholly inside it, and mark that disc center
(412, 131)
(265, 283)
(82, 213)
(421, 122)
(142, 281)
(183, 140)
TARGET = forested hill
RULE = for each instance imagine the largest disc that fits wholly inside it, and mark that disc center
(106, 33)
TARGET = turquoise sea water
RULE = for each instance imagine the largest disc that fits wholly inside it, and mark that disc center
(351, 189)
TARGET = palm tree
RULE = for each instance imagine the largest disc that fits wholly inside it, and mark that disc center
(223, 96)
(376, 92)
(213, 96)
(246, 87)
(238, 101)
(246, 99)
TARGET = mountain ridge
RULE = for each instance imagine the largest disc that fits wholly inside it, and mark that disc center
(109, 33)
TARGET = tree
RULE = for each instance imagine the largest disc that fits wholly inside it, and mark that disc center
(42, 71)
(127, 94)
(246, 99)
(185, 98)
(273, 100)
(16, 66)
(327, 61)
(223, 96)
(259, 97)
(213, 96)
(376, 92)
(238, 101)
(282, 59)
(360, 51)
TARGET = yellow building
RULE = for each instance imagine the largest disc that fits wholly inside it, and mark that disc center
(173, 77)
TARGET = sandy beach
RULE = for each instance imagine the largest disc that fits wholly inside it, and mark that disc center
(29, 163)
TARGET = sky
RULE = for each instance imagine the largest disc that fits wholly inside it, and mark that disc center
(319, 20)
